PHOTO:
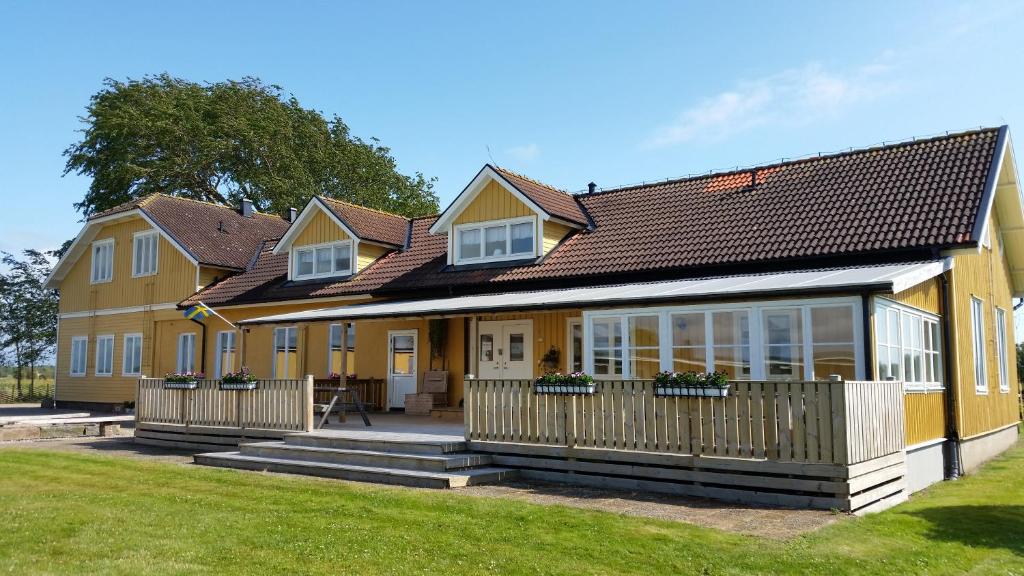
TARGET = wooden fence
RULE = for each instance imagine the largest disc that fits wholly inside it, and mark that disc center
(274, 405)
(814, 422)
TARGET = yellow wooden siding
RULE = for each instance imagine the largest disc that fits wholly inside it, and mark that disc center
(174, 281)
(553, 234)
(925, 296)
(209, 275)
(984, 275)
(368, 253)
(320, 229)
(494, 202)
(925, 417)
(117, 387)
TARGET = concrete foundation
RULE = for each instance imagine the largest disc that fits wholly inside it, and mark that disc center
(925, 464)
(977, 450)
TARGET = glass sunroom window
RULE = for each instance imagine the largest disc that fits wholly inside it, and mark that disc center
(607, 347)
(833, 351)
(783, 344)
(908, 346)
(689, 345)
(731, 343)
(643, 351)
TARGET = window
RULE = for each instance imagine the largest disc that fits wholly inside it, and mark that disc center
(833, 351)
(495, 241)
(323, 261)
(643, 349)
(285, 354)
(334, 362)
(1001, 351)
(730, 337)
(908, 346)
(79, 350)
(226, 348)
(144, 256)
(978, 345)
(574, 362)
(131, 361)
(689, 342)
(607, 347)
(186, 353)
(783, 344)
(102, 261)
(105, 355)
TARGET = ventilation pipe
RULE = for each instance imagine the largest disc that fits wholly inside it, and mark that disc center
(247, 209)
(292, 214)
(591, 188)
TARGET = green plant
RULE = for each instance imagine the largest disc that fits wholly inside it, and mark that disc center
(551, 359)
(243, 376)
(183, 376)
(437, 332)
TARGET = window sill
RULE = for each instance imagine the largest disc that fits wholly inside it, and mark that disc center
(94, 282)
(82, 375)
(457, 267)
(923, 389)
(147, 275)
(98, 375)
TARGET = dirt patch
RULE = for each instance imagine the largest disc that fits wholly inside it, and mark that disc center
(775, 523)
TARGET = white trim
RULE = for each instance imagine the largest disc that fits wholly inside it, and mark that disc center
(124, 353)
(85, 357)
(392, 393)
(156, 252)
(293, 260)
(284, 245)
(99, 244)
(110, 311)
(978, 364)
(1002, 349)
(296, 302)
(96, 366)
(924, 273)
(568, 342)
(479, 182)
(508, 223)
(926, 318)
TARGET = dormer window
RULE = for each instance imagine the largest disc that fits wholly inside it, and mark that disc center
(496, 240)
(322, 261)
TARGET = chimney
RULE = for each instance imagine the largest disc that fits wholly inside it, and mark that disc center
(292, 214)
(247, 209)
(591, 188)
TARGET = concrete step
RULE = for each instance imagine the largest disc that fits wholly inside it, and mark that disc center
(416, 478)
(406, 461)
(396, 442)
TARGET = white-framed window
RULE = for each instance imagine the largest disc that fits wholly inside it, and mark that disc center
(908, 346)
(131, 355)
(186, 352)
(285, 362)
(574, 345)
(1002, 352)
(79, 355)
(786, 340)
(335, 349)
(105, 355)
(323, 260)
(496, 241)
(226, 350)
(102, 266)
(978, 345)
(144, 253)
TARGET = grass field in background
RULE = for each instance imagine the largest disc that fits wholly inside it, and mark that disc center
(84, 514)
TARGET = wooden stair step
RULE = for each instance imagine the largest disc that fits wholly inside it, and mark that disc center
(407, 461)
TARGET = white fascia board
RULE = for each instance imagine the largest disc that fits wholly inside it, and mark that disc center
(315, 203)
(918, 274)
(470, 192)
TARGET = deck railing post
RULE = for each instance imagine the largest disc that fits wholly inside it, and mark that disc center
(307, 403)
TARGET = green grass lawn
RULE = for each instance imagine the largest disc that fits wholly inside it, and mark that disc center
(64, 513)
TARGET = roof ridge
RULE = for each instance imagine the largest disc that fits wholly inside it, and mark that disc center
(528, 179)
(794, 161)
(361, 207)
(216, 205)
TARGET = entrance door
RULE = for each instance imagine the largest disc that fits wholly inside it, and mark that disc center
(505, 350)
(401, 366)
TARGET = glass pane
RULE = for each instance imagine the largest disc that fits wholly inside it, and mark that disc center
(688, 329)
(734, 361)
(402, 354)
(832, 324)
(323, 260)
(783, 327)
(577, 348)
(335, 339)
(894, 327)
(469, 244)
(342, 259)
(784, 362)
(292, 336)
(689, 359)
(644, 363)
(643, 331)
(522, 238)
(305, 262)
(138, 258)
(832, 359)
(486, 348)
(608, 362)
(494, 241)
(515, 347)
(881, 327)
(730, 329)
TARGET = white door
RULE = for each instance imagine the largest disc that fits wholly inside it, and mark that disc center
(505, 350)
(401, 366)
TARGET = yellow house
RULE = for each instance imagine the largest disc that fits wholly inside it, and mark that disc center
(899, 262)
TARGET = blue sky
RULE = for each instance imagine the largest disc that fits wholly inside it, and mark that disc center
(566, 92)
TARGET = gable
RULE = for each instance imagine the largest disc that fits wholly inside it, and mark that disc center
(493, 202)
(320, 229)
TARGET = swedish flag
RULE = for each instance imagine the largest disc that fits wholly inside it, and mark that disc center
(199, 311)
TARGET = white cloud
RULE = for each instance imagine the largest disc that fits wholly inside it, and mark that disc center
(524, 153)
(795, 96)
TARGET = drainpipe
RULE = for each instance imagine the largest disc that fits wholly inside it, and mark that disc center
(202, 359)
(865, 305)
(952, 433)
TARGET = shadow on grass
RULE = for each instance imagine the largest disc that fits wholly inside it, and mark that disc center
(977, 526)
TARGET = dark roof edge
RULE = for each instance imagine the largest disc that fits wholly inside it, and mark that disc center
(177, 241)
(991, 182)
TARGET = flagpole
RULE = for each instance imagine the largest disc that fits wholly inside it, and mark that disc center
(217, 314)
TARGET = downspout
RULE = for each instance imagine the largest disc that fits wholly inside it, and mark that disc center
(952, 433)
(202, 359)
(865, 305)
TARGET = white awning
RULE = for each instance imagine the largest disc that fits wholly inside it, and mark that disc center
(892, 278)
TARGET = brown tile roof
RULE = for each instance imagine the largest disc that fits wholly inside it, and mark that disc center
(552, 200)
(903, 200)
(214, 235)
(370, 224)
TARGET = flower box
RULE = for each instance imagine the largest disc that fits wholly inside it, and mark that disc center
(181, 384)
(251, 385)
(676, 391)
(564, 389)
